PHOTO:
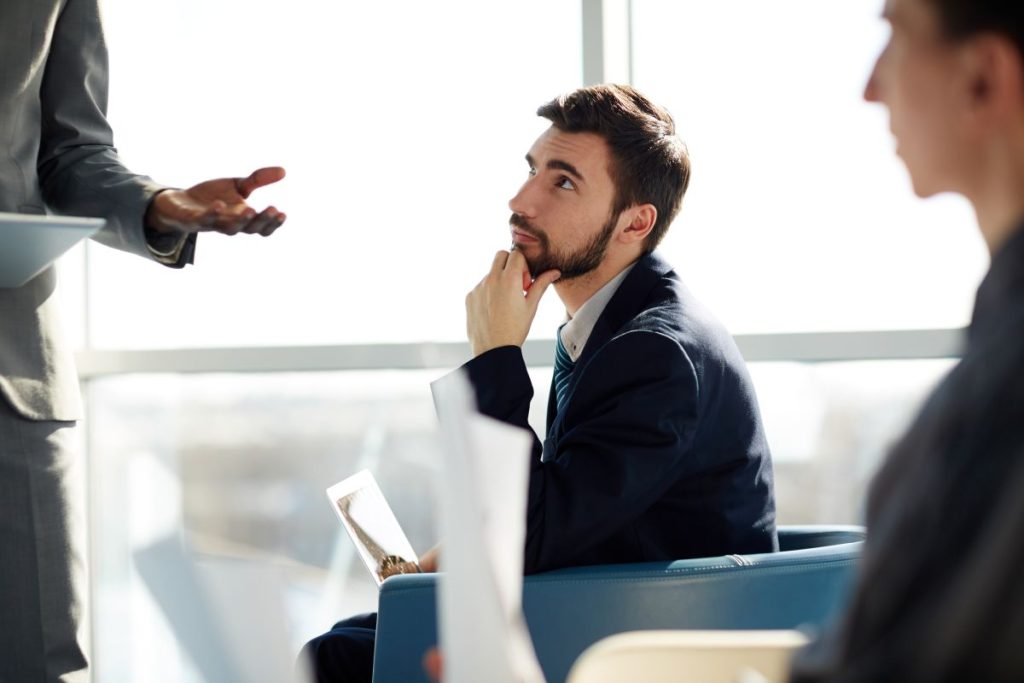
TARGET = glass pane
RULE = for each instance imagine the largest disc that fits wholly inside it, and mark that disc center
(799, 216)
(830, 425)
(402, 124)
(241, 462)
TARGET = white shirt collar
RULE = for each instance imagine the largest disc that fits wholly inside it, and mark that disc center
(577, 329)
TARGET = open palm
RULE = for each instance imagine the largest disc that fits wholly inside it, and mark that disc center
(218, 205)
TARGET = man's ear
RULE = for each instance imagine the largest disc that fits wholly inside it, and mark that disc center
(997, 78)
(641, 221)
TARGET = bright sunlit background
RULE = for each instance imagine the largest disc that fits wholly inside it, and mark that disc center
(403, 126)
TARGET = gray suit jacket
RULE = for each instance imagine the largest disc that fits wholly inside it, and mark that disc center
(56, 152)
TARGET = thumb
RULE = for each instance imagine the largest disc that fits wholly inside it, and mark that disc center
(257, 179)
(540, 285)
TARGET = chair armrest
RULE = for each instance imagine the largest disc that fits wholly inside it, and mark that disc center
(818, 535)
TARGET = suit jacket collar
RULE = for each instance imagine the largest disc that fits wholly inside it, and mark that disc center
(627, 301)
(999, 293)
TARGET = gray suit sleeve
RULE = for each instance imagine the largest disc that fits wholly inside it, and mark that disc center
(79, 169)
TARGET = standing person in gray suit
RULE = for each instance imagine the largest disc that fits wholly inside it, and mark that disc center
(56, 152)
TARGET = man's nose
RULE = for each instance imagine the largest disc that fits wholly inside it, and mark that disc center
(872, 91)
(524, 202)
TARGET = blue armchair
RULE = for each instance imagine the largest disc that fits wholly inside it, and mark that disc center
(567, 610)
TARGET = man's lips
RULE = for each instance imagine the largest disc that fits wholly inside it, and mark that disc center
(521, 237)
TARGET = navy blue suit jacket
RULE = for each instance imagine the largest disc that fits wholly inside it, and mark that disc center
(659, 452)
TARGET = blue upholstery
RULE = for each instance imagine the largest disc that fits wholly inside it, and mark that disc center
(569, 609)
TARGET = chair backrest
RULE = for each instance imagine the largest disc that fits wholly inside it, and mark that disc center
(802, 586)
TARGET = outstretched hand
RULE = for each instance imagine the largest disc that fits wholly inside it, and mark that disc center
(217, 206)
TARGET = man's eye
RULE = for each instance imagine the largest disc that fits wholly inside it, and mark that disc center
(532, 171)
(566, 184)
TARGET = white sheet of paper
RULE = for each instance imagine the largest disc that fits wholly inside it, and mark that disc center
(227, 614)
(483, 490)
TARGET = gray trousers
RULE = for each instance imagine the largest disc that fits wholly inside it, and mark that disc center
(42, 552)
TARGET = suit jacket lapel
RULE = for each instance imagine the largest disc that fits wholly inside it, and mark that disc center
(624, 305)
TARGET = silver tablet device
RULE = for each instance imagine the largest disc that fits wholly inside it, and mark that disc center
(372, 526)
(29, 243)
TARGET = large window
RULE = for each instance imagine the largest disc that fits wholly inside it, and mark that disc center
(241, 464)
(403, 126)
(799, 215)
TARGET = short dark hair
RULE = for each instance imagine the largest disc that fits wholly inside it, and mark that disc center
(964, 18)
(650, 164)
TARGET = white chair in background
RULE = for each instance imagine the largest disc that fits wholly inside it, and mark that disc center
(689, 657)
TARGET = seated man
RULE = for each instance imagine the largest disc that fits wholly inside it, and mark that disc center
(655, 448)
(941, 589)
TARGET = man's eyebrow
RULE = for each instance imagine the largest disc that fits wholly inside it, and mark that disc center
(560, 165)
(567, 167)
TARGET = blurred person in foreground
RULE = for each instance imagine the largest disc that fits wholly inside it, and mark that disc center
(940, 596)
(56, 153)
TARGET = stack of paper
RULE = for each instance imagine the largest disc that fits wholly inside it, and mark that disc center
(482, 497)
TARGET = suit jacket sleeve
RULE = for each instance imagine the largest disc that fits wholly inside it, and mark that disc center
(79, 170)
(624, 438)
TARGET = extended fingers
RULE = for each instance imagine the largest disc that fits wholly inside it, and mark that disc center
(230, 220)
(233, 220)
(265, 223)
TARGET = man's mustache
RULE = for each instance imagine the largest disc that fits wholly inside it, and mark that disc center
(517, 221)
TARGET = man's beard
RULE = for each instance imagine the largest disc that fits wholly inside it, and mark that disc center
(573, 265)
